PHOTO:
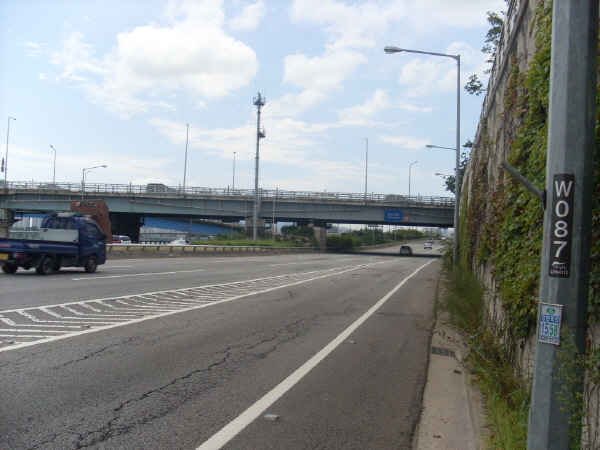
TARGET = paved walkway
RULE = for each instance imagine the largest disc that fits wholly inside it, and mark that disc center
(453, 413)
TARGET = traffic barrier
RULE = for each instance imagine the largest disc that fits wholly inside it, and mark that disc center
(120, 251)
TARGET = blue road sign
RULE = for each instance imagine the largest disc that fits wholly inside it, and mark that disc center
(393, 216)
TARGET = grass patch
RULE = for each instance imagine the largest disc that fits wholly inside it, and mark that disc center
(462, 304)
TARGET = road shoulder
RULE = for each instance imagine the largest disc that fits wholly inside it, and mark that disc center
(453, 411)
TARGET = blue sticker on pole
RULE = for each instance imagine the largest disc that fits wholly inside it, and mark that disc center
(550, 318)
(393, 216)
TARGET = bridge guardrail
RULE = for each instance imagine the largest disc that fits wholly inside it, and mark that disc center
(276, 194)
(125, 251)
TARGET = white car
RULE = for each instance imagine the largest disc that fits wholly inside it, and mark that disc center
(180, 242)
(428, 245)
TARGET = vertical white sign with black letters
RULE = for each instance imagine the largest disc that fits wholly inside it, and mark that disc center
(563, 193)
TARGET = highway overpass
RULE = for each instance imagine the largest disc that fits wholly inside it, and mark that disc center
(130, 204)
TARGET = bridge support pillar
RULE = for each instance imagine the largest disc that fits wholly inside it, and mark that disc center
(127, 224)
(320, 234)
(6, 220)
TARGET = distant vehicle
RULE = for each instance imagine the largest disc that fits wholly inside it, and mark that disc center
(120, 239)
(406, 250)
(180, 242)
(154, 188)
(64, 240)
(428, 245)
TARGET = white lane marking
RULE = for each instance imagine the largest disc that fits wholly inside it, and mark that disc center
(135, 275)
(236, 260)
(230, 430)
(135, 313)
(291, 264)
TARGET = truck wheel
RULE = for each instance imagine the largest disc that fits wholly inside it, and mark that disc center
(91, 264)
(9, 268)
(45, 267)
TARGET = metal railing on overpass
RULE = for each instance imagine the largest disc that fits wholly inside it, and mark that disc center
(152, 189)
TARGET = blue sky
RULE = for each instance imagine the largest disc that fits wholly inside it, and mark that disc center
(115, 83)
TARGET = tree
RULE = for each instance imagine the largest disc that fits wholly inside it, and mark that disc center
(492, 39)
(474, 86)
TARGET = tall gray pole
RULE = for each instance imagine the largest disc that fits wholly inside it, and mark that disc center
(6, 156)
(409, 170)
(567, 219)
(366, 166)
(186, 148)
(457, 175)
(233, 181)
(54, 171)
(259, 102)
(391, 50)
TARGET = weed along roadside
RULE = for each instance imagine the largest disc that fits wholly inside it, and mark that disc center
(463, 320)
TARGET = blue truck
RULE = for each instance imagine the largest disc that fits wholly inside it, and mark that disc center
(64, 240)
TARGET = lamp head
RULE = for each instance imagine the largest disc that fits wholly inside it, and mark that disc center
(389, 50)
(430, 146)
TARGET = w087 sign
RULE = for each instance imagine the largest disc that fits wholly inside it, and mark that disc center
(561, 227)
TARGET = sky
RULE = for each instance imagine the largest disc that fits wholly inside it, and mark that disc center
(130, 84)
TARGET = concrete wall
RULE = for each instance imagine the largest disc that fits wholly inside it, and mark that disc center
(517, 45)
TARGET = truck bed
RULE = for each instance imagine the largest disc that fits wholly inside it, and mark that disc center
(37, 245)
(50, 234)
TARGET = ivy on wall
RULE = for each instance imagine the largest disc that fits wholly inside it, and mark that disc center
(501, 221)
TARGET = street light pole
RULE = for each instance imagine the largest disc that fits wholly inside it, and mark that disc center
(54, 171)
(366, 166)
(456, 195)
(6, 156)
(233, 183)
(83, 179)
(186, 148)
(391, 50)
(409, 168)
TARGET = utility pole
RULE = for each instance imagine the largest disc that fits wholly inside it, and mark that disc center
(567, 220)
(259, 102)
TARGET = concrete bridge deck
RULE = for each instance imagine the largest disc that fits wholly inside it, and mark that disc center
(226, 204)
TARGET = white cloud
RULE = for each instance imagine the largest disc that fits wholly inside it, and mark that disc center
(322, 73)
(403, 141)
(192, 54)
(349, 25)
(249, 18)
(362, 114)
(33, 49)
(430, 14)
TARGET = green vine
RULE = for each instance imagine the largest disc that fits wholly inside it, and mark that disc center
(502, 222)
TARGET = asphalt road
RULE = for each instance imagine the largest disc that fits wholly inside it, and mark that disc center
(285, 352)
